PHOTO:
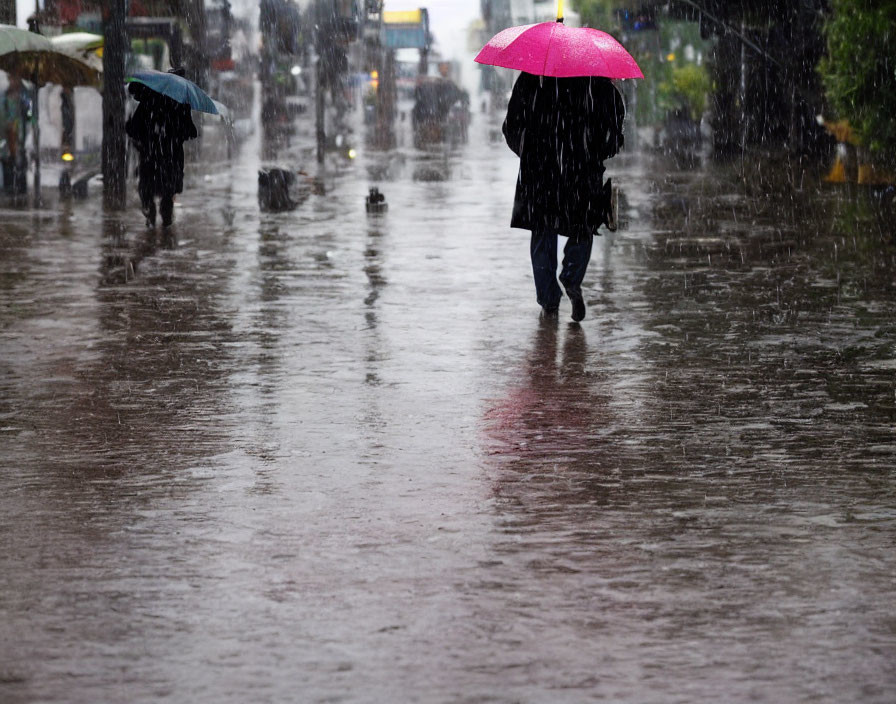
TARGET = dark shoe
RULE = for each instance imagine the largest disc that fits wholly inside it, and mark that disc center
(550, 312)
(578, 303)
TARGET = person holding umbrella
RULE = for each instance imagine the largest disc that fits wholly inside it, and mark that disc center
(27, 55)
(158, 128)
(564, 119)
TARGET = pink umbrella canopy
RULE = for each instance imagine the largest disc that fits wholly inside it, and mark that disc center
(553, 49)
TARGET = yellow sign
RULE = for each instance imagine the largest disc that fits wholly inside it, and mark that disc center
(403, 17)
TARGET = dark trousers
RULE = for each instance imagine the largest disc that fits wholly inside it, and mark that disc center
(159, 178)
(576, 255)
(148, 202)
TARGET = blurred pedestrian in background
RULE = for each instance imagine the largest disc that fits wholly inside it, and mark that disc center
(15, 109)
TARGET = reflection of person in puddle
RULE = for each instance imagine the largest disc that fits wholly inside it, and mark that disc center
(121, 259)
(551, 408)
(547, 459)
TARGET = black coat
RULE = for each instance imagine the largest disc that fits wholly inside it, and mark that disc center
(563, 129)
(159, 127)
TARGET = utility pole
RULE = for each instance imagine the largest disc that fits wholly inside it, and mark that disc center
(197, 62)
(114, 141)
(319, 43)
(385, 101)
(8, 12)
(197, 21)
(34, 26)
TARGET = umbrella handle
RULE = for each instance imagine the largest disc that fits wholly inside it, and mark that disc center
(559, 10)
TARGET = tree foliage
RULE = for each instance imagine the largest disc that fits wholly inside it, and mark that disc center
(597, 13)
(687, 87)
(860, 71)
(671, 81)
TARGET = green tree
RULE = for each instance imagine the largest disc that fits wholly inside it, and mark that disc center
(859, 71)
(598, 14)
(687, 87)
(671, 81)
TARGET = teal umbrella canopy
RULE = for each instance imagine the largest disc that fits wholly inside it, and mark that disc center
(175, 87)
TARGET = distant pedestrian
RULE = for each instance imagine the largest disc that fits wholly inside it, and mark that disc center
(14, 113)
(159, 127)
(434, 98)
(563, 129)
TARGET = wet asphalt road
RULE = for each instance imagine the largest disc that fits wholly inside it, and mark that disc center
(320, 456)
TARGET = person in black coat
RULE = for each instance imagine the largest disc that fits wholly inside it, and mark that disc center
(159, 127)
(563, 129)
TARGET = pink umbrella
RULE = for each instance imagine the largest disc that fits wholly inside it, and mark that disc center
(553, 49)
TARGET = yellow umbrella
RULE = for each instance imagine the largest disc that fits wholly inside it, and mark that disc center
(33, 57)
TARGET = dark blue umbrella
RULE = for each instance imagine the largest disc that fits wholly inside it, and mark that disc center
(175, 87)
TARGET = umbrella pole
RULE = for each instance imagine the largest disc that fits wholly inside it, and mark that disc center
(559, 10)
